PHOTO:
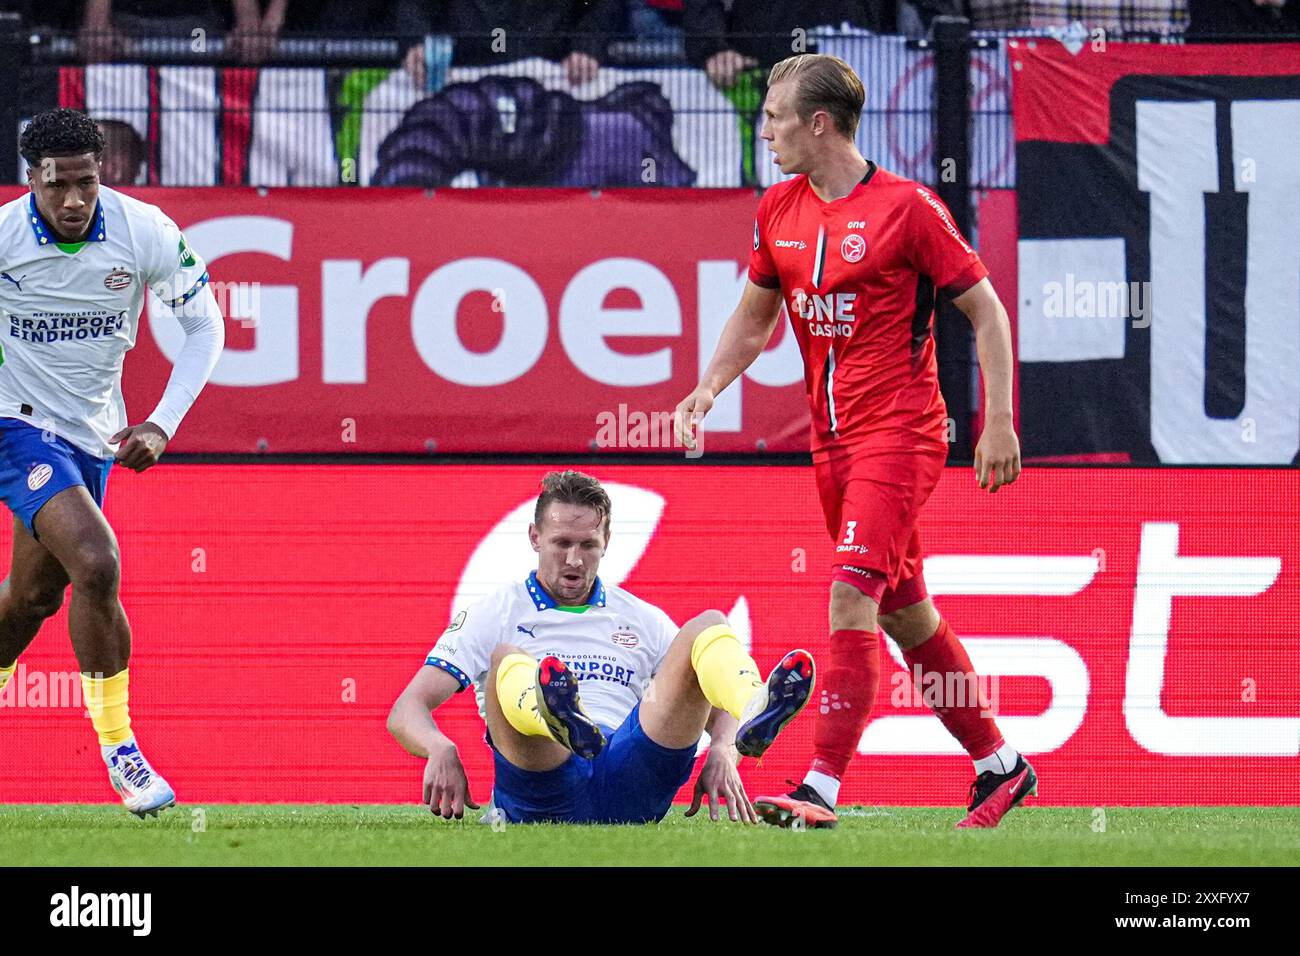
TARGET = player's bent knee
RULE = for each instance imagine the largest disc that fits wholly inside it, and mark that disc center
(502, 651)
(96, 572)
(912, 625)
(701, 621)
(38, 603)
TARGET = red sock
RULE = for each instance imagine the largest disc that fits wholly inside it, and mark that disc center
(964, 709)
(848, 692)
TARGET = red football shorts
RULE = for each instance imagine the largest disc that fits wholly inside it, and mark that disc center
(872, 501)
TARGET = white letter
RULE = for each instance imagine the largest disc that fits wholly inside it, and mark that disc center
(1162, 576)
(719, 286)
(585, 323)
(347, 296)
(1055, 661)
(274, 358)
(59, 915)
(524, 319)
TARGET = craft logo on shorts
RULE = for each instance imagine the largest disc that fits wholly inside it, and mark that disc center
(117, 279)
(853, 248)
(39, 475)
(625, 639)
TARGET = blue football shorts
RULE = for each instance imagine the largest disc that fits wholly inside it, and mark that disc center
(632, 780)
(35, 465)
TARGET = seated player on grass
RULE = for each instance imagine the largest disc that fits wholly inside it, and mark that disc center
(648, 688)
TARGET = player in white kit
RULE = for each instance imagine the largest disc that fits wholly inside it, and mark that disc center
(648, 688)
(75, 260)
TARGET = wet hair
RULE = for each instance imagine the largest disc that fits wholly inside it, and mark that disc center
(61, 132)
(573, 488)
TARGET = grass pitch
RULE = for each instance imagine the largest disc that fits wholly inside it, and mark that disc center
(320, 835)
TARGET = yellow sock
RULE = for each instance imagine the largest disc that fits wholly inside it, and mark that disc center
(727, 674)
(106, 699)
(517, 694)
(6, 673)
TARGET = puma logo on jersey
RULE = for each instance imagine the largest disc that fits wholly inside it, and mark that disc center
(18, 282)
(526, 630)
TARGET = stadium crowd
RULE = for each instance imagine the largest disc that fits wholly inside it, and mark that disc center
(722, 36)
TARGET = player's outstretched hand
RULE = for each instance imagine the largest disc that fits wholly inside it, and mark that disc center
(720, 781)
(997, 457)
(446, 788)
(141, 446)
(689, 413)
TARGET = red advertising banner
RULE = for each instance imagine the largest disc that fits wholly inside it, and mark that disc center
(1136, 627)
(391, 320)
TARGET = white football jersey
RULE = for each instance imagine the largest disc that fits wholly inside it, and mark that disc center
(614, 645)
(70, 315)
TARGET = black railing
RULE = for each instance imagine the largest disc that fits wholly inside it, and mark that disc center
(391, 109)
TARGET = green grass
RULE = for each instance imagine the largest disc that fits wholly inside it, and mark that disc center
(317, 835)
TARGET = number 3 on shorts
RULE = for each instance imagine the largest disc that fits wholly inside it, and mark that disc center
(848, 535)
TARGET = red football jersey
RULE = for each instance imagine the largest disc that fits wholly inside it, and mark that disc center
(858, 276)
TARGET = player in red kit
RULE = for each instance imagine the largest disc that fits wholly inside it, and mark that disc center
(859, 255)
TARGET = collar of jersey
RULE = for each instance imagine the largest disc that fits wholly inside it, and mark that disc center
(46, 238)
(871, 171)
(544, 602)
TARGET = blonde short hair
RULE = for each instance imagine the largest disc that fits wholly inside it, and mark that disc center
(823, 82)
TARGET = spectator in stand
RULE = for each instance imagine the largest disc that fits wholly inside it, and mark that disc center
(251, 39)
(574, 33)
(655, 19)
(726, 37)
(107, 23)
(124, 153)
(1122, 16)
(55, 14)
(1239, 19)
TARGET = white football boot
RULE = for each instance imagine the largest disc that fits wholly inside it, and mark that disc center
(143, 790)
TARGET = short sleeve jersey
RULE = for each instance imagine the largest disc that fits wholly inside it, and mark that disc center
(70, 312)
(859, 277)
(614, 644)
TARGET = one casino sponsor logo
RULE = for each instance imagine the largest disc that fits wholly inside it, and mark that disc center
(827, 315)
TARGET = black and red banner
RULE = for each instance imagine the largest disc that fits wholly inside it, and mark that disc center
(1159, 251)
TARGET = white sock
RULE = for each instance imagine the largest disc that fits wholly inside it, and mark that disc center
(827, 787)
(1000, 761)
